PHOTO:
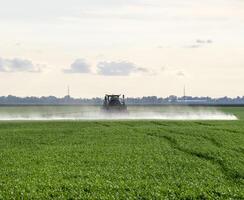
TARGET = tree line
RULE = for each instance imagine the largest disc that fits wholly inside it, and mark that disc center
(147, 100)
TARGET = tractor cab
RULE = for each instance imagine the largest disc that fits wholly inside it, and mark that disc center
(114, 103)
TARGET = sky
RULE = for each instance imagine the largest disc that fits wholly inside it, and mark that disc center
(132, 47)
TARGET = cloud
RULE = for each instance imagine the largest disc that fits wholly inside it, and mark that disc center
(106, 68)
(18, 65)
(172, 71)
(204, 41)
(199, 43)
(163, 46)
(142, 69)
(18, 44)
(194, 46)
(122, 68)
(79, 66)
(180, 73)
(163, 68)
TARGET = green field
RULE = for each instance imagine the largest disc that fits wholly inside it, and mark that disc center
(123, 159)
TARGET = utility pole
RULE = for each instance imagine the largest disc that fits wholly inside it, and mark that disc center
(184, 93)
(68, 92)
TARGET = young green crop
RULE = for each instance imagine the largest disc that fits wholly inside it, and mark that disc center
(122, 159)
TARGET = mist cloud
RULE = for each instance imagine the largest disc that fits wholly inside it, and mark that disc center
(18, 65)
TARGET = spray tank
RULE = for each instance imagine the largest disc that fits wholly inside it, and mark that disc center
(113, 103)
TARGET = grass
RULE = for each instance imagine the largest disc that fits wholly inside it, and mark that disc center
(123, 159)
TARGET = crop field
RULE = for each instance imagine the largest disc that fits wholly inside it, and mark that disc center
(138, 159)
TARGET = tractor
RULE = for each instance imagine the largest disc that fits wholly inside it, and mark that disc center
(113, 103)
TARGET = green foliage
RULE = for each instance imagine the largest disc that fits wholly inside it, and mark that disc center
(122, 159)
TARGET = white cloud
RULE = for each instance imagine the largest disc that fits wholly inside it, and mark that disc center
(18, 65)
(180, 73)
(199, 41)
(193, 46)
(79, 66)
(122, 68)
